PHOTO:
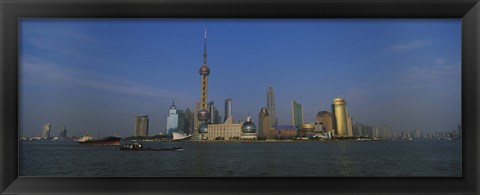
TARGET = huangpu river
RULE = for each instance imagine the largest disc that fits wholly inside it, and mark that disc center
(319, 159)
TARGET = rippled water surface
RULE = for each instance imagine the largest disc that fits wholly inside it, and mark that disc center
(332, 158)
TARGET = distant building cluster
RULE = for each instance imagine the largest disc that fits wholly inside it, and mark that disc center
(419, 134)
(208, 124)
(327, 125)
(46, 134)
(362, 130)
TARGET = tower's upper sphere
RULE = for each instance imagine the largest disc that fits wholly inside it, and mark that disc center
(264, 110)
(248, 127)
(203, 115)
(204, 70)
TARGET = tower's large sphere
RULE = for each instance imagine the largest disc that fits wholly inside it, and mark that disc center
(203, 115)
(204, 70)
(203, 128)
(248, 127)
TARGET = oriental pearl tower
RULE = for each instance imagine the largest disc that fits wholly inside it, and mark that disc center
(204, 71)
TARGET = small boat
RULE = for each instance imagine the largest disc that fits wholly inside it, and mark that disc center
(139, 147)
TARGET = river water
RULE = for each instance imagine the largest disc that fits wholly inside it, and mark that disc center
(320, 159)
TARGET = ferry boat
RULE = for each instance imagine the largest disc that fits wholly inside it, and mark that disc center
(139, 147)
(180, 136)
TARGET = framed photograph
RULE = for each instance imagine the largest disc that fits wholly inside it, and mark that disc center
(240, 97)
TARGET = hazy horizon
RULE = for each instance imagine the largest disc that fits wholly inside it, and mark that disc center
(98, 74)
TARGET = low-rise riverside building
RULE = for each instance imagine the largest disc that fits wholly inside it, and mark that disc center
(224, 131)
(284, 131)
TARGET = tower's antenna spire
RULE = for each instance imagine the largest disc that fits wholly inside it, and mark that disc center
(205, 48)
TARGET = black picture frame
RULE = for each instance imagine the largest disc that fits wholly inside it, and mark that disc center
(12, 10)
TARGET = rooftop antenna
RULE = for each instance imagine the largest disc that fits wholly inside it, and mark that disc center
(205, 48)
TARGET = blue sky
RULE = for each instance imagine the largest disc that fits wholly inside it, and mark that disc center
(97, 74)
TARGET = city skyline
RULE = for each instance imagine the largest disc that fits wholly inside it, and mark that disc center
(41, 70)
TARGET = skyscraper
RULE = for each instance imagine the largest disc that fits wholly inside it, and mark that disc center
(181, 122)
(416, 134)
(263, 123)
(349, 124)
(372, 131)
(141, 126)
(46, 131)
(63, 132)
(189, 117)
(297, 114)
(341, 121)
(271, 106)
(204, 71)
(359, 129)
(215, 117)
(228, 109)
(385, 132)
(172, 120)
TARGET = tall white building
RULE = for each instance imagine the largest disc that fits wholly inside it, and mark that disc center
(46, 131)
(172, 120)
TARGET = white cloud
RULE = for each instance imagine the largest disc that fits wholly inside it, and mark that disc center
(59, 41)
(433, 73)
(39, 70)
(406, 46)
(439, 61)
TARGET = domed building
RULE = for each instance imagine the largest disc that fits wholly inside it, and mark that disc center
(306, 129)
(249, 130)
(326, 119)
